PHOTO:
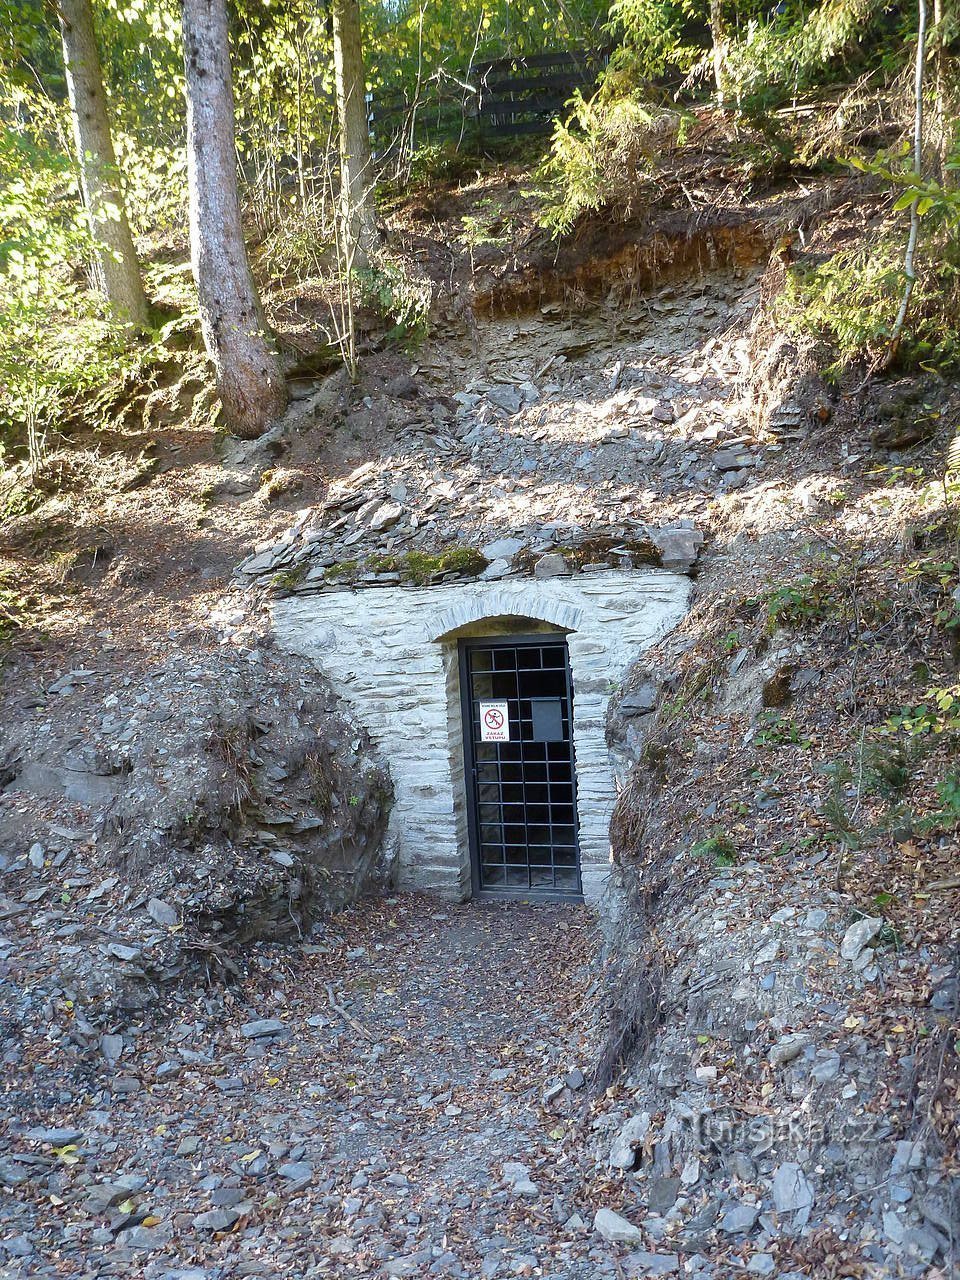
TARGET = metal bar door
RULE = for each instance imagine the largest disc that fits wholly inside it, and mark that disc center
(517, 701)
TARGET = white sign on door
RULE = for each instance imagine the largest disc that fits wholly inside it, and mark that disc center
(494, 722)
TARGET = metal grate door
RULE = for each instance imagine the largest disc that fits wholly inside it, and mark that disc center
(521, 787)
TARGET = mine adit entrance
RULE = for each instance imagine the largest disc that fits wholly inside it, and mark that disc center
(517, 699)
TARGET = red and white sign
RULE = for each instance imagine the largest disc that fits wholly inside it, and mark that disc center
(494, 722)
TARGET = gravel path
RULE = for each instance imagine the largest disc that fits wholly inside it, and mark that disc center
(399, 1096)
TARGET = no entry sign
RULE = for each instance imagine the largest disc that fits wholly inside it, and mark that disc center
(494, 722)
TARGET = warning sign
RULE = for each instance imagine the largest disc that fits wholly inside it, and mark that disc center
(494, 722)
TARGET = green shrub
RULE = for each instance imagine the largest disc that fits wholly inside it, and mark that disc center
(604, 157)
(719, 847)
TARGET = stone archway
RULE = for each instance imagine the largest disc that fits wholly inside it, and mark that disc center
(387, 653)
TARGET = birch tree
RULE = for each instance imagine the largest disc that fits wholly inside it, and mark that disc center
(358, 232)
(116, 269)
(249, 377)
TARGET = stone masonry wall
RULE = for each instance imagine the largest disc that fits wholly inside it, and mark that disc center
(384, 651)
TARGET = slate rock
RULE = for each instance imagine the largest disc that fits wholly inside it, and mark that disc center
(161, 912)
(502, 549)
(679, 548)
(104, 1195)
(732, 459)
(652, 1264)
(506, 397)
(623, 1150)
(217, 1219)
(741, 1219)
(615, 1229)
(262, 1027)
(385, 516)
(859, 936)
(296, 1171)
(641, 701)
(552, 565)
(12, 1174)
(761, 1264)
(787, 1048)
(120, 951)
(791, 1190)
(111, 1047)
(62, 1137)
(17, 1246)
(662, 1194)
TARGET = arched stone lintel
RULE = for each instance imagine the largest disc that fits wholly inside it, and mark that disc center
(496, 603)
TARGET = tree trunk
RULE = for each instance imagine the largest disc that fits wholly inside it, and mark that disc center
(910, 256)
(117, 271)
(358, 233)
(942, 125)
(249, 378)
(718, 32)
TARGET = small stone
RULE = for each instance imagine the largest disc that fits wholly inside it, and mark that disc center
(662, 1194)
(262, 1027)
(641, 701)
(826, 1067)
(35, 857)
(502, 549)
(787, 1048)
(550, 566)
(894, 1227)
(296, 1171)
(767, 954)
(217, 1219)
(859, 936)
(761, 1264)
(119, 951)
(17, 1246)
(524, 1187)
(188, 1146)
(679, 548)
(385, 516)
(111, 1047)
(496, 569)
(740, 1219)
(623, 1151)
(161, 912)
(575, 1079)
(505, 397)
(791, 1190)
(653, 1264)
(54, 1137)
(104, 1196)
(614, 1229)
(732, 459)
(12, 1174)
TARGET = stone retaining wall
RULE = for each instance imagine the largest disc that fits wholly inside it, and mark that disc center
(389, 653)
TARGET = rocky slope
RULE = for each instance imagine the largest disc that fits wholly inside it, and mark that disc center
(777, 1086)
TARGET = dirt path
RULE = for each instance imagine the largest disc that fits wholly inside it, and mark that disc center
(367, 1126)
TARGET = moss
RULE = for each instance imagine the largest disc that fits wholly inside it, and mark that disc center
(421, 567)
(342, 569)
(287, 579)
(598, 550)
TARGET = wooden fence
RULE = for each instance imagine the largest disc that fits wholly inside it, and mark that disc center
(506, 96)
(525, 95)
